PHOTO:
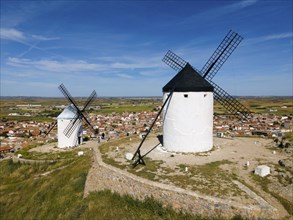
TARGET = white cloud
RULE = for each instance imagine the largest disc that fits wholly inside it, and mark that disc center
(16, 35)
(11, 34)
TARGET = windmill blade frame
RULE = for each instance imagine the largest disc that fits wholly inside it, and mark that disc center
(71, 126)
(90, 100)
(67, 95)
(74, 126)
(174, 61)
(221, 54)
(228, 101)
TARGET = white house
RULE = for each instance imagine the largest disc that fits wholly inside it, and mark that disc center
(188, 114)
(74, 138)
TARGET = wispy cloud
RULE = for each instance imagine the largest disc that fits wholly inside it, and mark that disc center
(54, 65)
(12, 34)
(221, 11)
(245, 3)
(235, 6)
(270, 37)
(82, 65)
(19, 36)
(278, 36)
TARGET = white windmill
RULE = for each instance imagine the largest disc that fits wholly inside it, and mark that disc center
(188, 102)
(188, 114)
(69, 122)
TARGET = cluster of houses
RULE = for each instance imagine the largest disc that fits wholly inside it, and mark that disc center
(16, 135)
(116, 125)
(268, 125)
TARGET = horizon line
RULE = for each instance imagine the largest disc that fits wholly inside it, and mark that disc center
(239, 96)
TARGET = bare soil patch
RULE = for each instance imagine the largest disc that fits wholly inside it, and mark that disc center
(214, 172)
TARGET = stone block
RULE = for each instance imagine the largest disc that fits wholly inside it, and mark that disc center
(128, 156)
(262, 170)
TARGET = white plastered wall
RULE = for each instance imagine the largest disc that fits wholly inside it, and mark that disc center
(188, 122)
(74, 139)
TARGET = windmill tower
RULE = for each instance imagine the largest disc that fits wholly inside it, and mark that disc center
(63, 120)
(188, 122)
(69, 122)
(188, 115)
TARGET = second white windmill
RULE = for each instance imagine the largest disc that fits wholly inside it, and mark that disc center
(69, 122)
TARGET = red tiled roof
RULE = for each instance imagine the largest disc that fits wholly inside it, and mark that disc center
(6, 148)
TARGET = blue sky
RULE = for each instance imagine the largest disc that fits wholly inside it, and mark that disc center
(116, 47)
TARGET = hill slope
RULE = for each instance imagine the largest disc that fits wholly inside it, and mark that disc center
(55, 191)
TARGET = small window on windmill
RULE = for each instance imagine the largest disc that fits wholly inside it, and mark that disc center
(185, 95)
(205, 95)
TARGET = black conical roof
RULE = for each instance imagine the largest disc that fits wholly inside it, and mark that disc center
(188, 80)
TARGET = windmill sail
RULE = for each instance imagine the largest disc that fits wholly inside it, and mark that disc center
(72, 125)
(232, 105)
(221, 54)
(174, 61)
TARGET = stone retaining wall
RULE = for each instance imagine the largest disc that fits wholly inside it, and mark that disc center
(103, 176)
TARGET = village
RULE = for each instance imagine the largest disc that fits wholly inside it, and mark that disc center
(15, 135)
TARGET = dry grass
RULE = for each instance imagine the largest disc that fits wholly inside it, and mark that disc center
(27, 194)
